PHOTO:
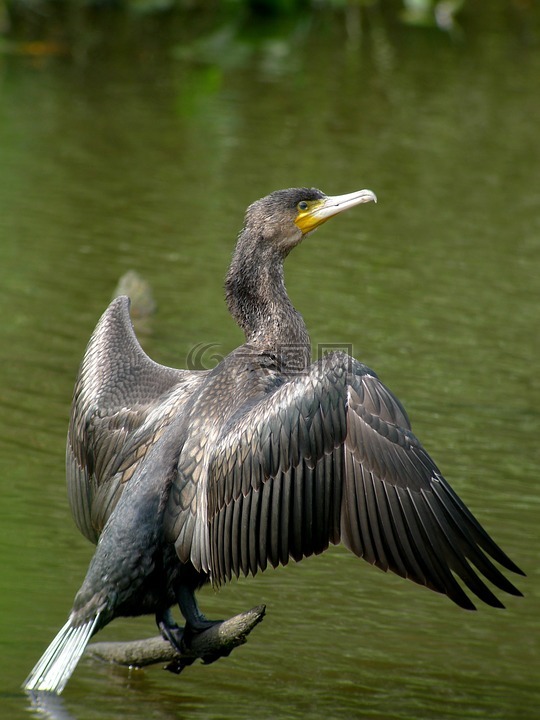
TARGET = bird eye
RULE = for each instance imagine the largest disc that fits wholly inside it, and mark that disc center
(302, 205)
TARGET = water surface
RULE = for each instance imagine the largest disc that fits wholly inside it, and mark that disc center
(143, 156)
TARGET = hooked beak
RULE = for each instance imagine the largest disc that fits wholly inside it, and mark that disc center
(322, 210)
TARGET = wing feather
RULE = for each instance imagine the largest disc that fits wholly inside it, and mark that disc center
(121, 403)
(330, 456)
(391, 539)
(265, 512)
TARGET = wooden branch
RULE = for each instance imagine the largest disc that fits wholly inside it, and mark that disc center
(218, 641)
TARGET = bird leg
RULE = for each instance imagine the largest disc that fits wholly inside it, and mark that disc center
(175, 636)
(196, 622)
(169, 629)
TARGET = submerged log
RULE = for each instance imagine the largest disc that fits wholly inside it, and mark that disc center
(218, 641)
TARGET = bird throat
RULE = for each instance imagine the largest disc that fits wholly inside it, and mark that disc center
(258, 301)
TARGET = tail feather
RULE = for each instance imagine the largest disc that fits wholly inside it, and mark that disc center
(55, 666)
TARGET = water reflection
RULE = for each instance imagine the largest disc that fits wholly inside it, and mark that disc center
(49, 706)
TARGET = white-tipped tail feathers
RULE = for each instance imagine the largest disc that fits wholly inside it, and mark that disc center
(59, 660)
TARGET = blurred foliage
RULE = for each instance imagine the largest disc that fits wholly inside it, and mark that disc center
(225, 29)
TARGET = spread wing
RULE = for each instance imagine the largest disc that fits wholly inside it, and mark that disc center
(122, 402)
(330, 456)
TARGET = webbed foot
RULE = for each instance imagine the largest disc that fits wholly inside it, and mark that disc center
(196, 622)
(191, 630)
(170, 631)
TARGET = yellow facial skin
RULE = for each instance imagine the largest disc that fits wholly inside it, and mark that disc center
(312, 213)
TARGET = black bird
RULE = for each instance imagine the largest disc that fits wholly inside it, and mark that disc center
(184, 477)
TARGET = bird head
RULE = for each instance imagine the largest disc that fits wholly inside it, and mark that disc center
(285, 216)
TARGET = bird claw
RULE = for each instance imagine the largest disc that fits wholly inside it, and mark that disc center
(191, 630)
(181, 640)
(209, 659)
(171, 632)
(178, 664)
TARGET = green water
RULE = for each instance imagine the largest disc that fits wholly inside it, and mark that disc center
(142, 153)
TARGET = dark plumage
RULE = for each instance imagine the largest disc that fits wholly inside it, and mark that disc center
(183, 477)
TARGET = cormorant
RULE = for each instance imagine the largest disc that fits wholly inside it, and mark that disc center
(184, 477)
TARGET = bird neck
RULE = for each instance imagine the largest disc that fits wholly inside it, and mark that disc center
(258, 301)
